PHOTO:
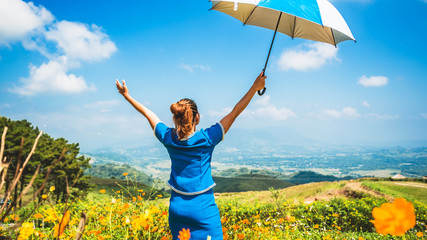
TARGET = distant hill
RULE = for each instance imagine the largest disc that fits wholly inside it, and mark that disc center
(310, 176)
(248, 182)
(128, 188)
(115, 171)
(295, 178)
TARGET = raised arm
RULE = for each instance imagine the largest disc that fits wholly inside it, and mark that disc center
(147, 113)
(258, 84)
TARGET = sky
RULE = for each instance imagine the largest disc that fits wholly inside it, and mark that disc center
(59, 61)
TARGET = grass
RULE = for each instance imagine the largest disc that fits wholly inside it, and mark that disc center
(395, 189)
(115, 186)
(247, 215)
(295, 193)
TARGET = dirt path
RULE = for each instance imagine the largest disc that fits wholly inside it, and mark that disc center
(411, 185)
(358, 187)
(351, 189)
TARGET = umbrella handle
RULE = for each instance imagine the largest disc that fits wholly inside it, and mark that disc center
(261, 92)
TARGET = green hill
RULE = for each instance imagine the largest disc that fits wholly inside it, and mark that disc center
(126, 187)
(296, 178)
(115, 171)
(248, 182)
(310, 176)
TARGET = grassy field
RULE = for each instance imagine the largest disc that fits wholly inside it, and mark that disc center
(248, 182)
(123, 212)
(294, 193)
(410, 190)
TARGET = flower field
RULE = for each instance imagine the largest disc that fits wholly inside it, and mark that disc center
(135, 217)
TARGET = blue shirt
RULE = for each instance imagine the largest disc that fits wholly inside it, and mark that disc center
(191, 157)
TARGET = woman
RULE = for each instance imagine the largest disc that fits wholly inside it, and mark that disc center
(192, 203)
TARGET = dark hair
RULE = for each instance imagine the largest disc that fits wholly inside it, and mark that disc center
(184, 115)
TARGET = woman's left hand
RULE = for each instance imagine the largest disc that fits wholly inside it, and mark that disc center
(123, 90)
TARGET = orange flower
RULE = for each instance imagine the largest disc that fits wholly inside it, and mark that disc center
(38, 215)
(184, 234)
(125, 174)
(102, 191)
(225, 236)
(59, 229)
(44, 196)
(240, 236)
(245, 221)
(420, 234)
(394, 218)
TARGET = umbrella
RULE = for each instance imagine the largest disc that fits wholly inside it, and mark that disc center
(316, 20)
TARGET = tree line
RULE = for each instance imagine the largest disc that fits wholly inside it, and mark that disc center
(65, 175)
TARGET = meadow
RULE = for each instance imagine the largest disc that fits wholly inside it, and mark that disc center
(128, 213)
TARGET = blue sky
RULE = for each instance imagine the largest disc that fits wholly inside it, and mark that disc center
(59, 60)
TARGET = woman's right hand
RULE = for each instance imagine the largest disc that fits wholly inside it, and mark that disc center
(123, 90)
(259, 82)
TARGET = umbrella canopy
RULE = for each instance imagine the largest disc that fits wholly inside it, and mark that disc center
(316, 20)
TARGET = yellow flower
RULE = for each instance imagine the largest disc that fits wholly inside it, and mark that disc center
(394, 218)
(52, 188)
(316, 226)
(360, 238)
(125, 174)
(26, 231)
(420, 234)
(184, 234)
(102, 191)
(44, 196)
(50, 215)
(159, 195)
(133, 199)
(59, 228)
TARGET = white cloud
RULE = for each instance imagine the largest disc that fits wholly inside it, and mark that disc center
(312, 57)
(268, 110)
(52, 77)
(18, 19)
(66, 45)
(373, 81)
(382, 116)
(348, 112)
(366, 104)
(221, 113)
(79, 41)
(103, 106)
(261, 108)
(194, 67)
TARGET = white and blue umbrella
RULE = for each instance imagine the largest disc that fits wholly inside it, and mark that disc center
(316, 20)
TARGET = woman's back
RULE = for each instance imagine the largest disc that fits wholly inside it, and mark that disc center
(191, 157)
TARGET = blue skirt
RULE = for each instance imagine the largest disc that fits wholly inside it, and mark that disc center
(199, 213)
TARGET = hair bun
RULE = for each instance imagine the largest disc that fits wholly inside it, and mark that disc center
(184, 112)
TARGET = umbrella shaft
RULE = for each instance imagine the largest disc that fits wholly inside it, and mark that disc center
(272, 41)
